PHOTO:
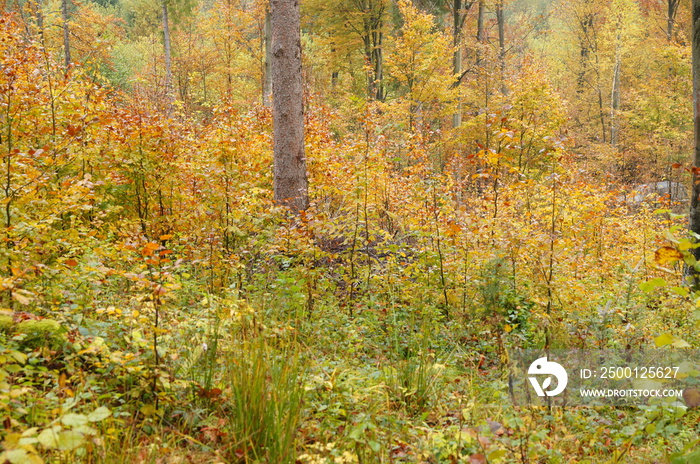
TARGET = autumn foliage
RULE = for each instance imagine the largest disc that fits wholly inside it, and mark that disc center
(155, 301)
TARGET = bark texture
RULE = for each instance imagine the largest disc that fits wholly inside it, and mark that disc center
(168, 60)
(267, 73)
(671, 19)
(290, 178)
(695, 197)
(458, 16)
(66, 33)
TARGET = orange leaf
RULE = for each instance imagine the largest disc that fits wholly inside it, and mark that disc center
(452, 229)
(71, 262)
(166, 237)
(149, 249)
(667, 254)
(62, 380)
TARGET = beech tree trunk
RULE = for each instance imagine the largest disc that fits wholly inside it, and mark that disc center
(267, 74)
(459, 14)
(501, 20)
(480, 32)
(290, 179)
(66, 33)
(615, 99)
(671, 20)
(695, 197)
(168, 65)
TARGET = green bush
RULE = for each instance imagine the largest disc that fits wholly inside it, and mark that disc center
(40, 333)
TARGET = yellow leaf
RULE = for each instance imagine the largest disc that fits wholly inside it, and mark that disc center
(667, 254)
(663, 340)
(148, 410)
(685, 245)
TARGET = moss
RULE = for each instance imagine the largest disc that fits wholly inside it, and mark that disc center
(6, 324)
(40, 333)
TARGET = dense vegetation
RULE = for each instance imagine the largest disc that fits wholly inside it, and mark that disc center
(479, 178)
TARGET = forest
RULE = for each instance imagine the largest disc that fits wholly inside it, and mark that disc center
(332, 231)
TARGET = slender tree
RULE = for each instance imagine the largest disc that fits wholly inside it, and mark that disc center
(501, 21)
(66, 33)
(290, 178)
(267, 72)
(671, 18)
(459, 15)
(168, 59)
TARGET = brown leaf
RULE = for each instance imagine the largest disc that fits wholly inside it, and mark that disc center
(477, 459)
(691, 396)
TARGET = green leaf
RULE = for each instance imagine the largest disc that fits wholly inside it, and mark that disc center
(682, 291)
(19, 357)
(651, 428)
(498, 454)
(74, 420)
(663, 340)
(651, 285)
(647, 384)
(99, 414)
(13, 368)
(70, 440)
(27, 441)
(679, 343)
(86, 430)
(49, 437)
(20, 456)
(374, 445)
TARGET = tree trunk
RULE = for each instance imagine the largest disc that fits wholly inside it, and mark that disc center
(378, 59)
(615, 100)
(290, 179)
(501, 20)
(334, 74)
(695, 197)
(480, 32)
(373, 38)
(168, 66)
(586, 24)
(458, 16)
(267, 82)
(66, 33)
(671, 20)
